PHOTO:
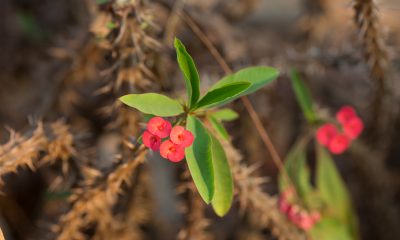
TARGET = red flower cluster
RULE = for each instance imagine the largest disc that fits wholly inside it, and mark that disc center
(298, 216)
(337, 142)
(173, 148)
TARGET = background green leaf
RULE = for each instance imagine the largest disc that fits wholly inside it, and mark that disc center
(225, 114)
(303, 96)
(297, 169)
(153, 103)
(222, 95)
(257, 76)
(333, 192)
(189, 70)
(331, 186)
(330, 229)
(199, 159)
(223, 183)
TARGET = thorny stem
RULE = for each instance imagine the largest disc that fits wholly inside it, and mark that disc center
(249, 107)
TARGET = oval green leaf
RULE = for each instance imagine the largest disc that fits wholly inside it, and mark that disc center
(222, 95)
(223, 183)
(153, 103)
(188, 68)
(257, 76)
(199, 159)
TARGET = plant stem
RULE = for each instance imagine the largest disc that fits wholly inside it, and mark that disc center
(249, 107)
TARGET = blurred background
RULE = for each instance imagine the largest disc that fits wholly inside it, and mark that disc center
(64, 136)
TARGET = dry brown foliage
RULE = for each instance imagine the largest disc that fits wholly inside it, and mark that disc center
(196, 226)
(257, 202)
(367, 20)
(46, 144)
(93, 206)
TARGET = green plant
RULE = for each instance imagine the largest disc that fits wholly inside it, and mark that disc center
(206, 157)
(329, 197)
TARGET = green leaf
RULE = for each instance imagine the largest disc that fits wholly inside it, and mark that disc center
(218, 127)
(330, 229)
(303, 96)
(331, 186)
(225, 114)
(223, 193)
(188, 68)
(153, 103)
(257, 76)
(222, 95)
(297, 169)
(333, 192)
(199, 159)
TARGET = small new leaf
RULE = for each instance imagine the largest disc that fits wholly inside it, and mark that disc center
(225, 114)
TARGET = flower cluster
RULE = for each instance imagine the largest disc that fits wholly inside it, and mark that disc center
(336, 141)
(297, 215)
(172, 149)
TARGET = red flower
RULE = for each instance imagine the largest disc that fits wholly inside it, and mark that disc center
(339, 144)
(284, 205)
(315, 216)
(345, 114)
(172, 151)
(158, 126)
(326, 133)
(179, 135)
(294, 214)
(305, 221)
(151, 141)
(353, 128)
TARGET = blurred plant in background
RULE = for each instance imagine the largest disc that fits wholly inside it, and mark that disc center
(325, 210)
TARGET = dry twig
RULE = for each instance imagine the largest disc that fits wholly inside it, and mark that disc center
(367, 21)
(94, 206)
(54, 140)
